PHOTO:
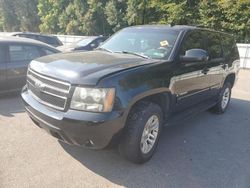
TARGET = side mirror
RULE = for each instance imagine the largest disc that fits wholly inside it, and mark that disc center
(93, 45)
(194, 55)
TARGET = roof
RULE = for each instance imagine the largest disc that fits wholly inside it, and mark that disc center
(30, 33)
(165, 26)
(177, 27)
(7, 39)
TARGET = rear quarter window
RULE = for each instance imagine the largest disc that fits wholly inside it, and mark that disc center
(27, 36)
(49, 40)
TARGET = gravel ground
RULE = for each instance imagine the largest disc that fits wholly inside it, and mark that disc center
(206, 151)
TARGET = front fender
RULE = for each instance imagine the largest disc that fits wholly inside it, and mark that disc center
(138, 83)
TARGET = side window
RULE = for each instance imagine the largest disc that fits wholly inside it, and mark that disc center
(27, 36)
(94, 44)
(46, 51)
(214, 45)
(42, 39)
(100, 41)
(20, 53)
(49, 40)
(2, 54)
(230, 50)
(193, 40)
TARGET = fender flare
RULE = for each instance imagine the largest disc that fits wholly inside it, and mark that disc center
(144, 95)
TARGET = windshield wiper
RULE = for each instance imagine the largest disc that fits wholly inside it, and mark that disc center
(134, 53)
(104, 49)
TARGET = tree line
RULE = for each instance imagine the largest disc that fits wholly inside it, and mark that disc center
(104, 17)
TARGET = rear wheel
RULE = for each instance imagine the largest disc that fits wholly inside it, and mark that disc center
(142, 132)
(224, 99)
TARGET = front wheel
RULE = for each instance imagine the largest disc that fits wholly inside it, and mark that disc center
(224, 99)
(142, 132)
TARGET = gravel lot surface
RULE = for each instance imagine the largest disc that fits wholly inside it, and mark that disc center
(206, 151)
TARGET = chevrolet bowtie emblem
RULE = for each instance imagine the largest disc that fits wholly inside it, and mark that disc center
(40, 86)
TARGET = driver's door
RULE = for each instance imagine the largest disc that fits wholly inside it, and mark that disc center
(191, 81)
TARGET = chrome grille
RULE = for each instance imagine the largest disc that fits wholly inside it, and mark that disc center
(48, 91)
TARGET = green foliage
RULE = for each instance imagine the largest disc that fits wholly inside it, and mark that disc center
(19, 15)
(50, 12)
(236, 18)
(10, 20)
(1, 20)
(116, 12)
(95, 17)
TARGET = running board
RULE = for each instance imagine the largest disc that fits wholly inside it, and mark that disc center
(190, 112)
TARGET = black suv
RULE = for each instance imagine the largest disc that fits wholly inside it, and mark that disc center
(139, 80)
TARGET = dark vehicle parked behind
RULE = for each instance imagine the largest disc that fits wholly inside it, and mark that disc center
(15, 56)
(85, 44)
(48, 39)
(141, 79)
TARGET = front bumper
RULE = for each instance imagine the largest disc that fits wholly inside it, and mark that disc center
(89, 129)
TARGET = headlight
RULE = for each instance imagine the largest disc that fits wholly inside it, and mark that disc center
(93, 99)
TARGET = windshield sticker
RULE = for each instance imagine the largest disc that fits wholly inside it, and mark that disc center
(164, 43)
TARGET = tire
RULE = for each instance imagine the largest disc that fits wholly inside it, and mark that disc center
(224, 99)
(142, 118)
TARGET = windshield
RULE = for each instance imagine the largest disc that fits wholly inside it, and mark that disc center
(84, 42)
(156, 43)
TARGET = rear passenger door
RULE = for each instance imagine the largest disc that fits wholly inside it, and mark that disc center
(216, 63)
(20, 56)
(3, 62)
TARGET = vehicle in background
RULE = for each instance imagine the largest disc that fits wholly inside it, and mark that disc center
(15, 56)
(86, 44)
(48, 39)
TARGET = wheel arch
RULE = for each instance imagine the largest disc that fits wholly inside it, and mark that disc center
(161, 97)
(230, 78)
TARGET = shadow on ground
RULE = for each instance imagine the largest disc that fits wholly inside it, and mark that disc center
(10, 105)
(206, 151)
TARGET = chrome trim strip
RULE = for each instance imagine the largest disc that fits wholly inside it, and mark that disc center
(51, 79)
(39, 119)
(45, 103)
(191, 94)
(49, 92)
(48, 86)
(31, 77)
(215, 86)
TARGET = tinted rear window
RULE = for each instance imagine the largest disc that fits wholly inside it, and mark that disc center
(48, 40)
(27, 36)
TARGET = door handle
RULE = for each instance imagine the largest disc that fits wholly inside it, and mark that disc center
(205, 70)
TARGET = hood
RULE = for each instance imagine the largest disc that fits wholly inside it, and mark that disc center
(85, 68)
